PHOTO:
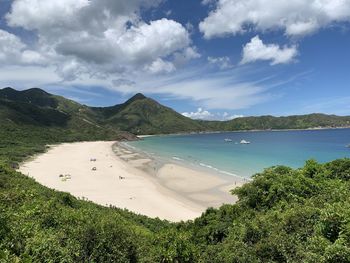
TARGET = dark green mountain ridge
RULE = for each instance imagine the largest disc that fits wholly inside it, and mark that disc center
(140, 115)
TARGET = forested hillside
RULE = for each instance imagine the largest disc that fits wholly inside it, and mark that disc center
(288, 122)
(138, 115)
(142, 115)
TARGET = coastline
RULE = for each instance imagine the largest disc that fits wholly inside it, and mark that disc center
(165, 170)
(141, 136)
(229, 161)
(130, 180)
(202, 167)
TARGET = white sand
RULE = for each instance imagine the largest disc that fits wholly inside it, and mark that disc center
(208, 189)
(175, 193)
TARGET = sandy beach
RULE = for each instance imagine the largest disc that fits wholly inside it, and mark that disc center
(110, 174)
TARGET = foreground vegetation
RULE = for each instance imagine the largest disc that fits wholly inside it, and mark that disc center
(283, 215)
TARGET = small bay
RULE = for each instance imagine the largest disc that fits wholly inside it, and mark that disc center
(266, 148)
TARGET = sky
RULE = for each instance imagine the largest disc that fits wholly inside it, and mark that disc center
(207, 59)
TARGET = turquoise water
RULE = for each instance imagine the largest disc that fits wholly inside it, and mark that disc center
(267, 148)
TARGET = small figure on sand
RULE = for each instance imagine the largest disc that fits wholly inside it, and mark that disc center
(121, 177)
(93, 169)
(65, 177)
(92, 159)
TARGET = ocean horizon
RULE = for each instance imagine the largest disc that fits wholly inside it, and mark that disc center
(223, 153)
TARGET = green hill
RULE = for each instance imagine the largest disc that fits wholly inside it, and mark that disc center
(33, 96)
(142, 115)
(33, 118)
(138, 115)
(315, 120)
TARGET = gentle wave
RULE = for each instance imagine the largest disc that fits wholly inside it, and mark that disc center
(221, 171)
(193, 162)
(207, 165)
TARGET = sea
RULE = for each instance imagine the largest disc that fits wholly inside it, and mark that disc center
(266, 148)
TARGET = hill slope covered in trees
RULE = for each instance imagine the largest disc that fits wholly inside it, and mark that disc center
(138, 115)
(31, 119)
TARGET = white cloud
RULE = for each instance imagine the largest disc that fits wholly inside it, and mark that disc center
(70, 69)
(221, 62)
(123, 83)
(190, 28)
(189, 53)
(295, 17)
(14, 51)
(29, 77)
(100, 37)
(160, 66)
(201, 114)
(257, 50)
(10, 46)
(301, 28)
(149, 41)
(32, 57)
(36, 14)
(208, 2)
(168, 12)
(226, 116)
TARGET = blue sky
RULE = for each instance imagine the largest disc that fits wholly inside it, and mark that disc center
(213, 59)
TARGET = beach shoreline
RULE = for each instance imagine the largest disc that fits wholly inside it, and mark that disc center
(127, 179)
(198, 166)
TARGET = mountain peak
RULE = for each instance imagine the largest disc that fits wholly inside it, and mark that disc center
(8, 88)
(138, 96)
(27, 91)
(5, 92)
(36, 90)
(34, 96)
